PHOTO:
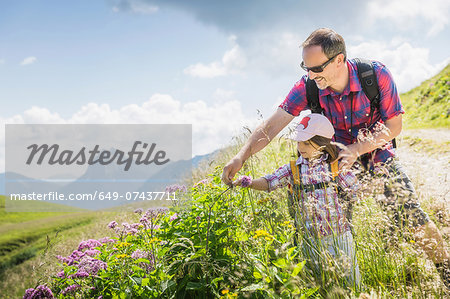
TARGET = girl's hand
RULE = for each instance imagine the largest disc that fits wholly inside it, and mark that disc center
(243, 181)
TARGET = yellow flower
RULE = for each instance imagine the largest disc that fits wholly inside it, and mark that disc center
(263, 234)
(119, 256)
(154, 240)
(123, 244)
(225, 291)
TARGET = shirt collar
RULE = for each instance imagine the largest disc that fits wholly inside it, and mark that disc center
(302, 160)
(353, 83)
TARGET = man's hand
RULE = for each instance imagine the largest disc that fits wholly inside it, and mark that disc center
(348, 156)
(230, 170)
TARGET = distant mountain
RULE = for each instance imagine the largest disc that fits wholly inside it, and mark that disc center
(110, 178)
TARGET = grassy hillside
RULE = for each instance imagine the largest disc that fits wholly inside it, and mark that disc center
(428, 105)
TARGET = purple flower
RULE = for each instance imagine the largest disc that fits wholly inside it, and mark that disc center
(79, 274)
(202, 182)
(173, 217)
(139, 211)
(175, 188)
(92, 252)
(71, 289)
(245, 181)
(198, 218)
(139, 254)
(90, 265)
(112, 224)
(41, 292)
(91, 243)
(61, 274)
(106, 240)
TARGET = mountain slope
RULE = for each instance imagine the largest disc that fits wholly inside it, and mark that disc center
(428, 105)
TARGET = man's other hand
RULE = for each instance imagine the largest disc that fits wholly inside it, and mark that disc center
(230, 170)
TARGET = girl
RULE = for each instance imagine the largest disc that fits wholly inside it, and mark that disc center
(315, 185)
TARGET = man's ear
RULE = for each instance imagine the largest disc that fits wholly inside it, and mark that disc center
(340, 58)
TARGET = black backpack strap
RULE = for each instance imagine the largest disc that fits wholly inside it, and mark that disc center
(312, 96)
(369, 83)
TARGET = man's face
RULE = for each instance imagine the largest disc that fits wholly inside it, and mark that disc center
(314, 56)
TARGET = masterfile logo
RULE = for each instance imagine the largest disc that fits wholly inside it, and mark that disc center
(93, 166)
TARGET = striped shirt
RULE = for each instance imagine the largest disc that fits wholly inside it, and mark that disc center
(337, 107)
(324, 212)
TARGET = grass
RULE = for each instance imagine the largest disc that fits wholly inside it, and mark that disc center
(428, 105)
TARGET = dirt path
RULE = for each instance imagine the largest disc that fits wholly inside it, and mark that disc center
(429, 173)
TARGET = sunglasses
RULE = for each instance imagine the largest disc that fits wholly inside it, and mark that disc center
(319, 68)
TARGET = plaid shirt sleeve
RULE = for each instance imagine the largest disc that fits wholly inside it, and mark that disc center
(296, 101)
(390, 104)
(349, 183)
(280, 178)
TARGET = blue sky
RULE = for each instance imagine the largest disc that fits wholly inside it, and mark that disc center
(214, 64)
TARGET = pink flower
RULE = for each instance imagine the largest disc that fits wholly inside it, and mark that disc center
(173, 217)
(112, 224)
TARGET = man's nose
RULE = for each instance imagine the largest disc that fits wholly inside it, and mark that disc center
(312, 75)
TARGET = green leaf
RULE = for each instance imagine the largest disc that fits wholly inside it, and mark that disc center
(298, 268)
(280, 263)
(145, 281)
(257, 275)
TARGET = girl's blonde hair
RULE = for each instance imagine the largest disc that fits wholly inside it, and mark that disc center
(325, 146)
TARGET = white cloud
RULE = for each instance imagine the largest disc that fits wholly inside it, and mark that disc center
(409, 65)
(28, 60)
(213, 125)
(404, 13)
(135, 6)
(233, 62)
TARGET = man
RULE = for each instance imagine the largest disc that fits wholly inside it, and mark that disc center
(345, 104)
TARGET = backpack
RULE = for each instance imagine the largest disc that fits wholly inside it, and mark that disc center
(295, 189)
(369, 84)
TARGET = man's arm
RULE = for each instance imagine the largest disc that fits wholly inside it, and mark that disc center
(256, 142)
(353, 151)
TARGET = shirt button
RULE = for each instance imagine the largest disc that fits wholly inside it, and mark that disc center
(345, 117)
(350, 130)
(367, 114)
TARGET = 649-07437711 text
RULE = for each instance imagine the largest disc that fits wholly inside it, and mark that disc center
(97, 195)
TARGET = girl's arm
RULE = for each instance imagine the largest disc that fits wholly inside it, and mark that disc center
(257, 184)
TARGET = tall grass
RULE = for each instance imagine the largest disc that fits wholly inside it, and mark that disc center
(229, 243)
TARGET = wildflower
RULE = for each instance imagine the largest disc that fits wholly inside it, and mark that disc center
(71, 289)
(175, 188)
(61, 274)
(106, 240)
(262, 234)
(173, 217)
(112, 224)
(198, 218)
(154, 240)
(92, 252)
(123, 244)
(139, 211)
(41, 291)
(225, 291)
(91, 243)
(245, 181)
(123, 255)
(202, 182)
(79, 274)
(91, 265)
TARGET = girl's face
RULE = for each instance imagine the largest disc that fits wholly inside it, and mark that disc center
(308, 149)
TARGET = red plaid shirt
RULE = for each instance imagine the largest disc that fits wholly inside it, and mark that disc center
(324, 213)
(337, 107)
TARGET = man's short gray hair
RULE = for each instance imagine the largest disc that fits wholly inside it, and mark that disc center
(331, 42)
